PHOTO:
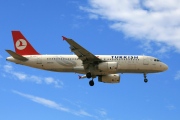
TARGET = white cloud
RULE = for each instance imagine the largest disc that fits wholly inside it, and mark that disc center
(147, 46)
(102, 112)
(93, 16)
(36, 79)
(19, 75)
(83, 113)
(43, 101)
(171, 107)
(50, 80)
(153, 20)
(54, 105)
(8, 68)
(177, 76)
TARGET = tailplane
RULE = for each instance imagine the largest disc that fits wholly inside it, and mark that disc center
(21, 44)
(16, 56)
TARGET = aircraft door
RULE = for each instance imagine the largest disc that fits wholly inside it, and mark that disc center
(145, 61)
(39, 60)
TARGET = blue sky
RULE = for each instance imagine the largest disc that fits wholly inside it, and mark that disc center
(149, 27)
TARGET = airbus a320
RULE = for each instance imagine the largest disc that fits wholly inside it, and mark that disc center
(106, 67)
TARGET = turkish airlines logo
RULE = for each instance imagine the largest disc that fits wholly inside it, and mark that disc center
(21, 44)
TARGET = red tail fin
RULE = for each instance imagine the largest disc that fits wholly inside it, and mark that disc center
(22, 46)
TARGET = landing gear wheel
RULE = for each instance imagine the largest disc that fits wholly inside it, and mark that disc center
(91, 83)
(145, 80)
(88, 75)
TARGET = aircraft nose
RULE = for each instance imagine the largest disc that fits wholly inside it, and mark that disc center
(165, 67)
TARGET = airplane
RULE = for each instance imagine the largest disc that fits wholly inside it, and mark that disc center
(106, 67)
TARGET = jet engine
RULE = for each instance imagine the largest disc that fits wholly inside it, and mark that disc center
(111, 78)
(108, 66)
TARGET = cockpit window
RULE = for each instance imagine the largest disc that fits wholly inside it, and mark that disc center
(156, 60)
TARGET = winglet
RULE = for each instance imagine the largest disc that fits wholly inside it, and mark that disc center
(64, 38)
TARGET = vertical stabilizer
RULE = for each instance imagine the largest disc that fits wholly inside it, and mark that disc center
(21, 44)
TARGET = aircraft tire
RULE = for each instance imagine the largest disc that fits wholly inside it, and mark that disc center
(145, 80)
(91, 83)
(88, 75)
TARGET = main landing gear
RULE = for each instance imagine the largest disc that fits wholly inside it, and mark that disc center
(91, 82)
(145, 78)
(88, 75)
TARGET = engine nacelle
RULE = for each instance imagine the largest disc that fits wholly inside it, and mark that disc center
(108, 66)
(111, 78)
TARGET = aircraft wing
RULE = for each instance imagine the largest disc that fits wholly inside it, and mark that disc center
(83, 54)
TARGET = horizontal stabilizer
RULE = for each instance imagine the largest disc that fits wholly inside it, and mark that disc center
(16, 56)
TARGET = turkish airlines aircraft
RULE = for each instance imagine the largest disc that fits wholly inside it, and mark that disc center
(105, 67)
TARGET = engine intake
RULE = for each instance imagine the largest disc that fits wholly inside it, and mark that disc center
(111, 78)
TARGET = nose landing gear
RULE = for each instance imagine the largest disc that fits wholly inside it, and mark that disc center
(145, 78)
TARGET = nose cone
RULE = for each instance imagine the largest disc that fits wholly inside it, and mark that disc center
(165, 67)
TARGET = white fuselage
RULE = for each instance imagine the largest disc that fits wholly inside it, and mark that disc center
(71, 63)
